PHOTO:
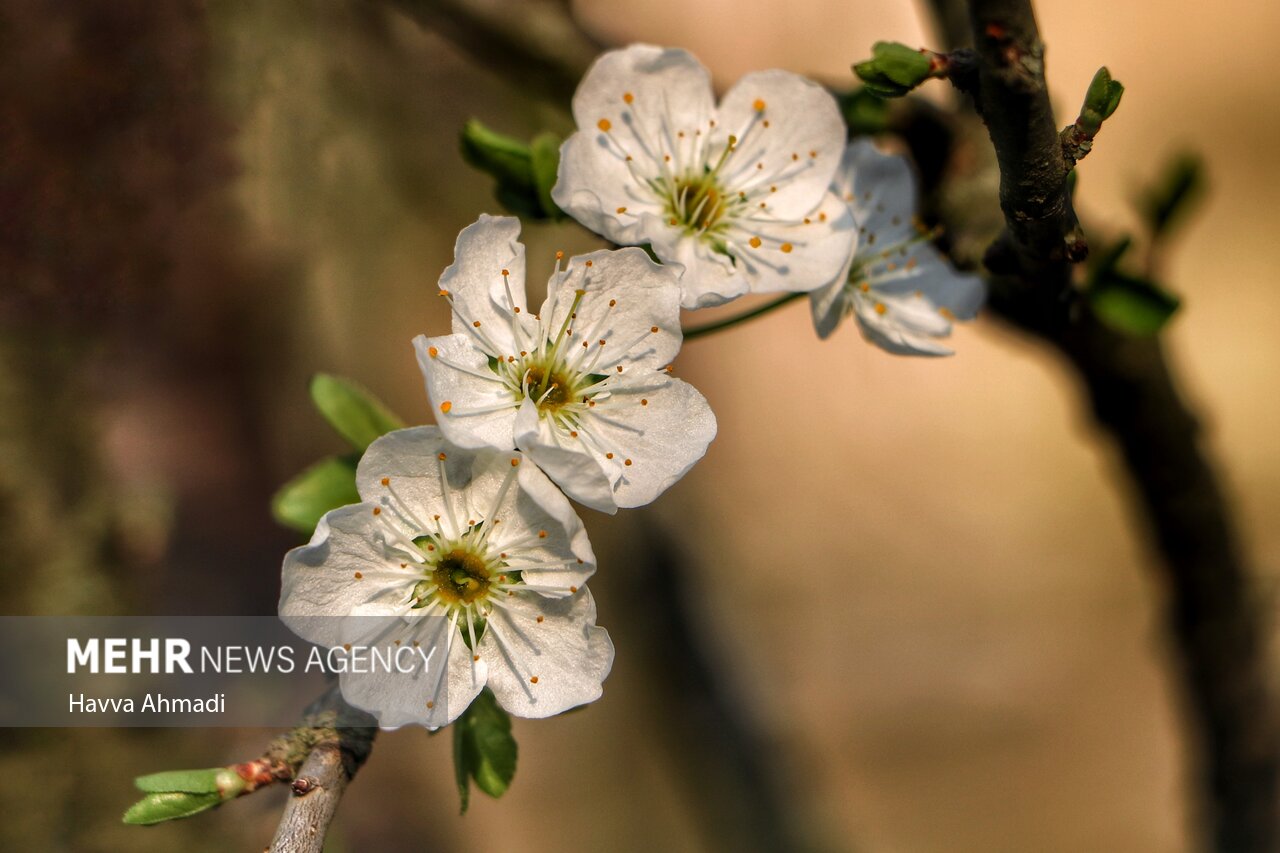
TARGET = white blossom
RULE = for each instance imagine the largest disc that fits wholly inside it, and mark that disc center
(582, 386)
(737, 193)
(902, 291)
(471, 560)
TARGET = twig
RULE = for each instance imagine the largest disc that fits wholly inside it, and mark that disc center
(1217, 625)
(335, 739)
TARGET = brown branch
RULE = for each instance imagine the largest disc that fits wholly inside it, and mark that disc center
(334, 739)
(1217, 625)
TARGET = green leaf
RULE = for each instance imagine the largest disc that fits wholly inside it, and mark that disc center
(545, 156)
(903, 65)
(188, 781)
(159, 807)
(864, 112)
(483, 749)
(357, 415)
(1104, 260)
(1103, 95)
(328, 484)
(1100, 100)
(1174, 194)
(507, 159)
(523, 173)
(893, 69)
(1132, 305)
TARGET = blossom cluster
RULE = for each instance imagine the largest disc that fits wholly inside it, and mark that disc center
(465, 542)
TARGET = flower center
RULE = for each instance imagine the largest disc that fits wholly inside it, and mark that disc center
(549, 387)
(461, 577)
(695, 202)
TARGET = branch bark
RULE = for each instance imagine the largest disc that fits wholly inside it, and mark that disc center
(1217, 625)
(336, 740)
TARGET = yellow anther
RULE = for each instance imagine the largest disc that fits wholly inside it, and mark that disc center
(604, 124)
(755, 242)
(786, 248)
(386, 481)
(446, 406)
(622, 210)
(628, 97)
(881, 308)
(758, 106)
(946, 313)
(433, 352)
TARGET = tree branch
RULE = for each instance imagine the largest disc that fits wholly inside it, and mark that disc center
(335, 740)
(1217, 625)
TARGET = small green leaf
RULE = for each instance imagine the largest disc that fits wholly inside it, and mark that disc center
(1132, 305)
(357, 415)
(188, 781)
(1104, 260)
(545, 156)
(903, 65)
(507, 159)
(864, 112)
(326, 485)
(159, 807)
(1100, 100)
(1174, 194)
(524, 174)
(876, 82)
(483, 748)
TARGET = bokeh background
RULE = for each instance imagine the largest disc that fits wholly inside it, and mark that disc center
(901, 605)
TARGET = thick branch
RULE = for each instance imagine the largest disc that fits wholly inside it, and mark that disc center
(1218, 629)
(1013, 99)
(336, 740)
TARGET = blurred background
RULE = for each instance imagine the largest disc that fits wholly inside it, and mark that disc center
(900, 606)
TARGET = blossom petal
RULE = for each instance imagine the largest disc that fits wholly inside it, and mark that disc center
(472, 409)
(545, 656)
(881, 190)
(790, 135)
(475, 281)
(929, 275)
(797, 256)
(656, 442)
(902, 325)
(629, 314)
(572, 466)
(709, 278)
(418, 691)
(631, 103)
